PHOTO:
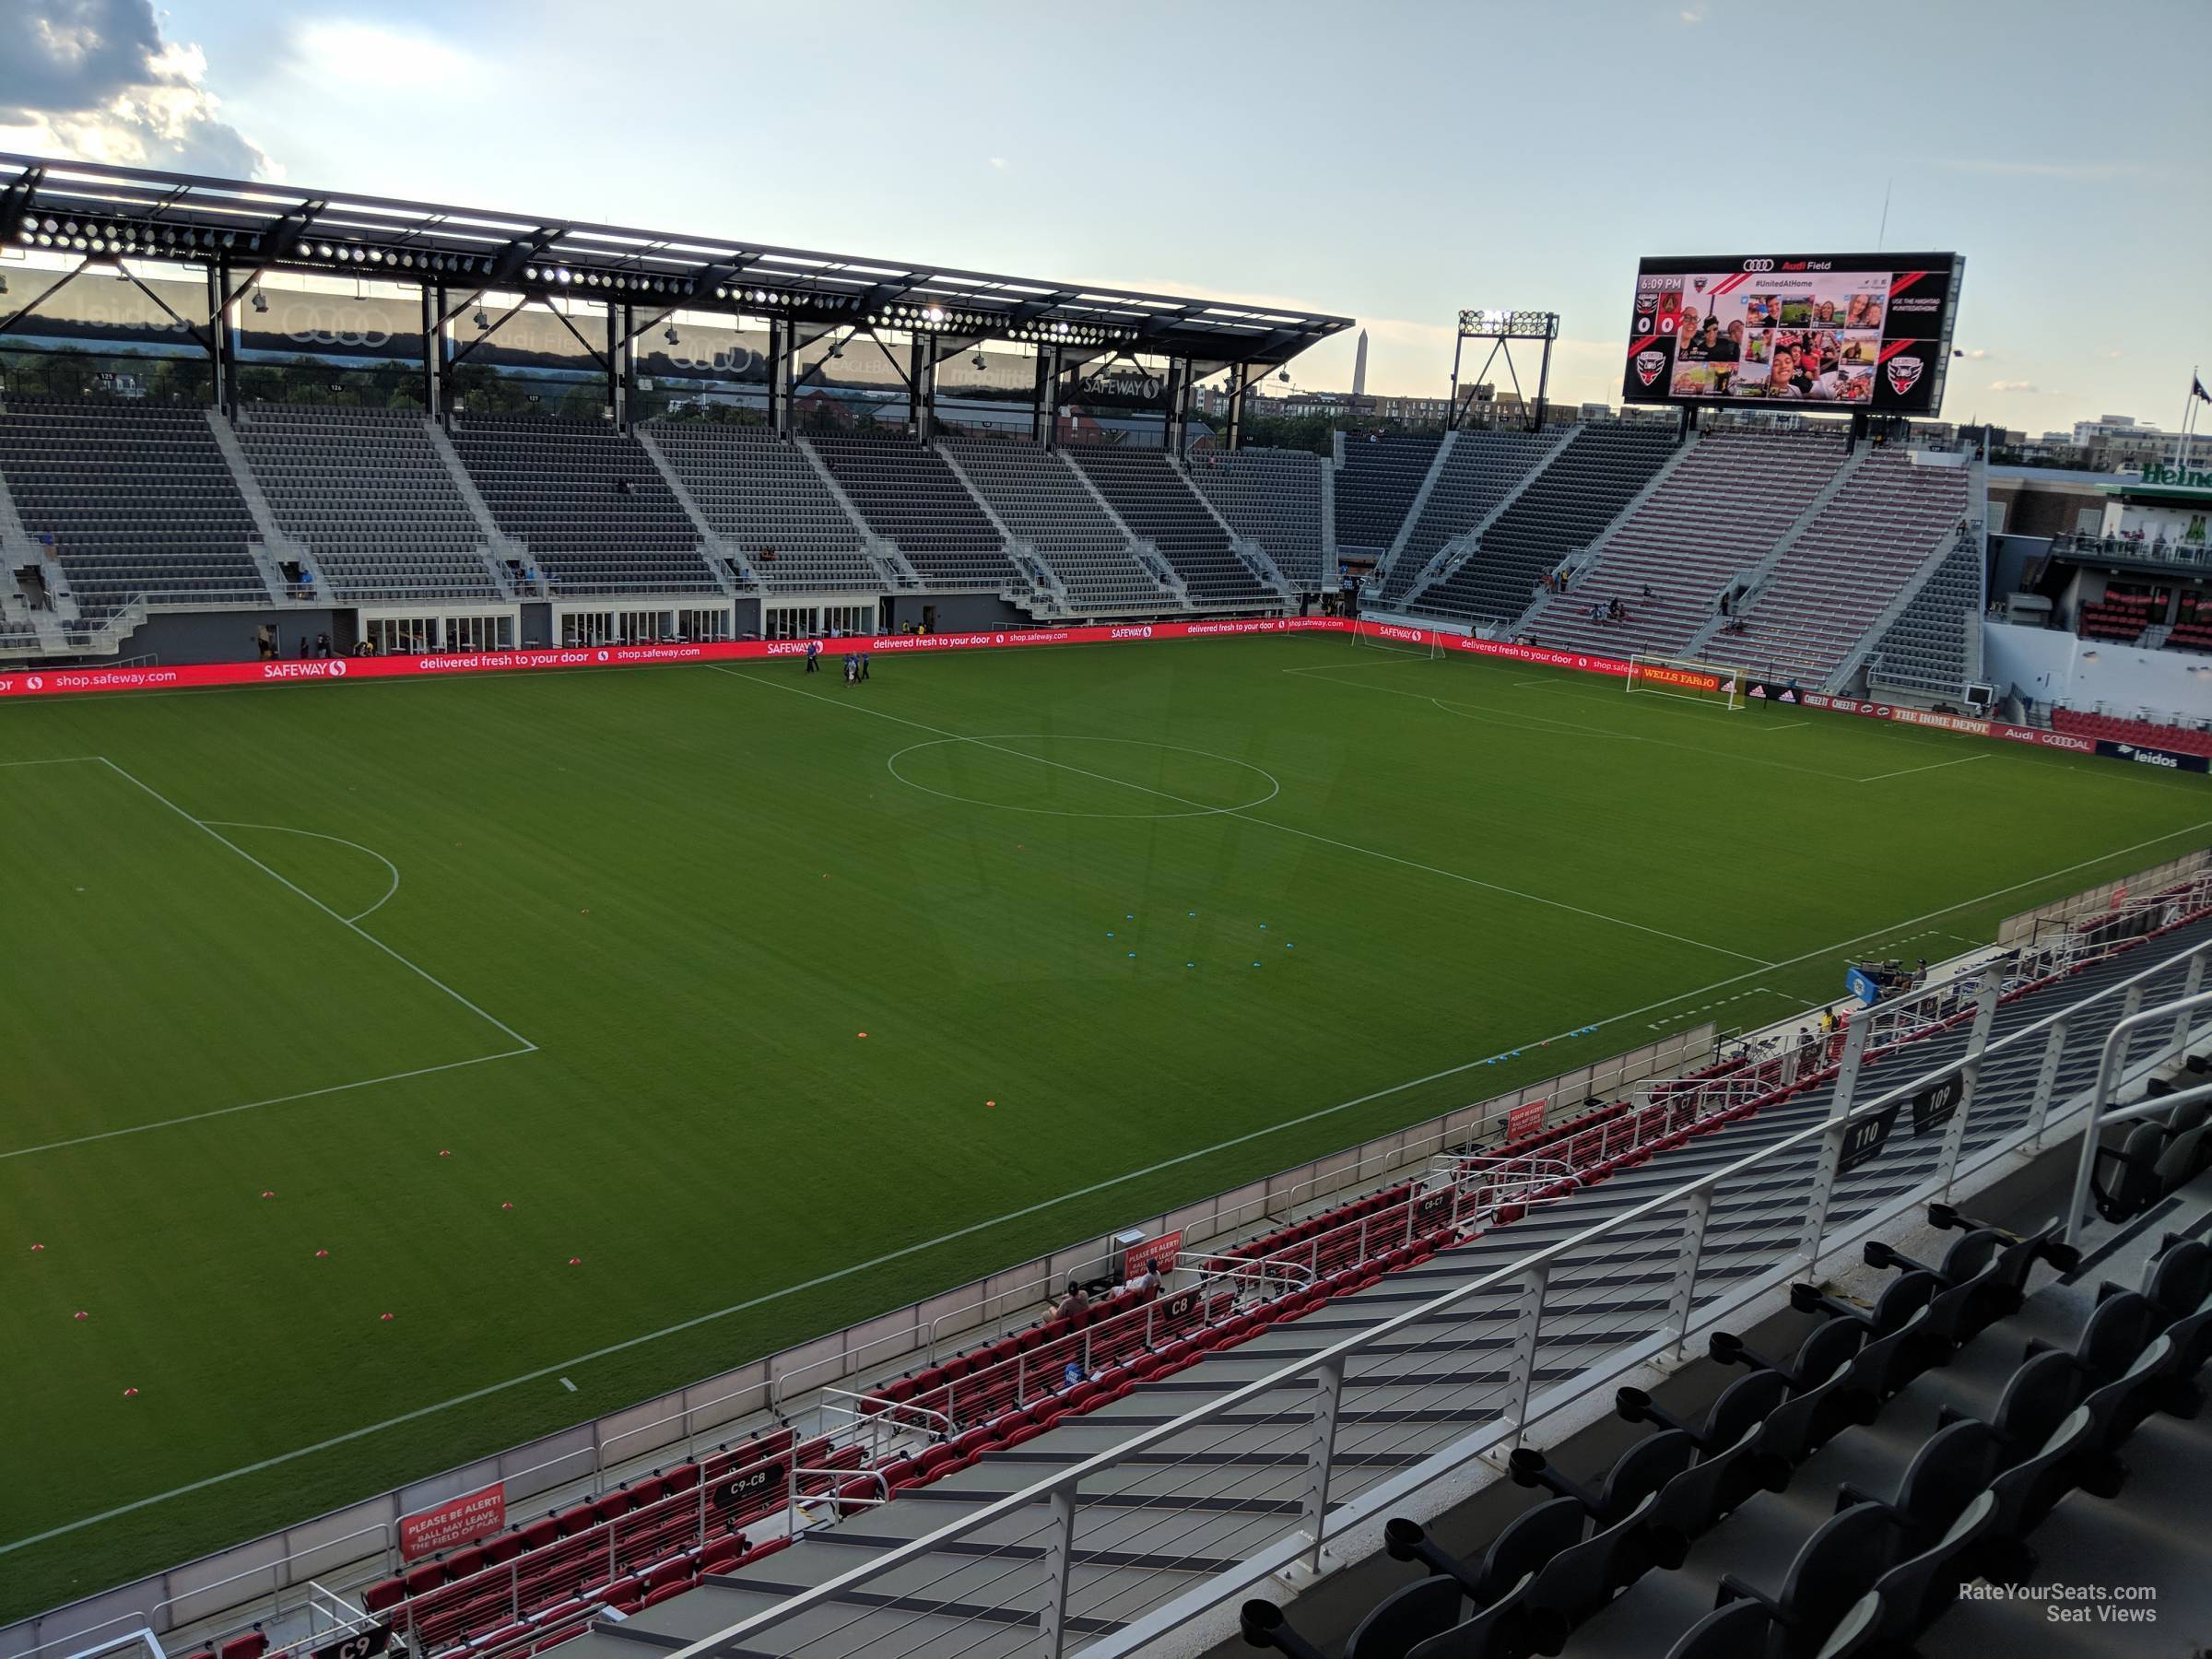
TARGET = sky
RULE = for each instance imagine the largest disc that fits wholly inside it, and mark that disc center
(1391, 160)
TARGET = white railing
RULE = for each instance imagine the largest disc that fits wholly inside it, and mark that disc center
(1046, 1514)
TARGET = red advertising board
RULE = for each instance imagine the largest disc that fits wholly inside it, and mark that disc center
(57, 682)
(1524, 1120)
(457, 1521)
(1154, 1255)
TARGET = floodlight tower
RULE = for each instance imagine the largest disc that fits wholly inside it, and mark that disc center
(1501, 328)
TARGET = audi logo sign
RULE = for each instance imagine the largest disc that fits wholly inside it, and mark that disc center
(1758, 264)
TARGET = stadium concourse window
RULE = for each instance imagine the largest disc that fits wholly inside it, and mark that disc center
(810, 621)
(590, 626)
(105, 378)
(318, 382)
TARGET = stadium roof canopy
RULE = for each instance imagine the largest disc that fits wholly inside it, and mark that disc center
(106, 211)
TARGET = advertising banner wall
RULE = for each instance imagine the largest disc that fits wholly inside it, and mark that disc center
(54, 682)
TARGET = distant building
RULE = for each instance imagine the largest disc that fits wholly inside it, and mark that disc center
(1360, 368)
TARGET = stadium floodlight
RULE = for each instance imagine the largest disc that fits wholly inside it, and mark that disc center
(261, 300)
(672, 337)
(481, 321)
(1492, 323)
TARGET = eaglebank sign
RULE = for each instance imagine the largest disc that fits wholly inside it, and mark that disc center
(60, 682)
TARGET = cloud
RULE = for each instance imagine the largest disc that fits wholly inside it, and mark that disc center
(2115, 356)
(1693, 16)
(2080, 172)
(2027, 386)
(1977, 355)
(95, 80)
(1000, 164)
(366, 54)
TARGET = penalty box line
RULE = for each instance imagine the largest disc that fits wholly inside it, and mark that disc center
(523, 1044)
(561, 1365)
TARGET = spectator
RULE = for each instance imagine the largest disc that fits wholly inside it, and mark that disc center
(1074, 1306)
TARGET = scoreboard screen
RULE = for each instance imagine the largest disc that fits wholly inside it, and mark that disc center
(1840, 331)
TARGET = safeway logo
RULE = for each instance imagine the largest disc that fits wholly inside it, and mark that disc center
(1904, 374)
(1648, 364)
(1144, 632)
(605, 656)
(33, 683)
(337, 667)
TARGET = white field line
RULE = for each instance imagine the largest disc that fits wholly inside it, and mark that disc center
(1490, 714)
(559, 1367)
(1908, 771)
(58, 760)
(305, 1094)
(1245, 817)
(526, 1046)
(318, 835)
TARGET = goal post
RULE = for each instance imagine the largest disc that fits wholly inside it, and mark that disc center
(1401, 638)
(1687, 678)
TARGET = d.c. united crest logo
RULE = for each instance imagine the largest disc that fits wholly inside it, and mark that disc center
(1904, 374)
(1648, 364)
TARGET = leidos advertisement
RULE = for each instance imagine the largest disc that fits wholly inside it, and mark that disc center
(1853, 331)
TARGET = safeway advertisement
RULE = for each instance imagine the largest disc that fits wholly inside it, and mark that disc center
(56, 682)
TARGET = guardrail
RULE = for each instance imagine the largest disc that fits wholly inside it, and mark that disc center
(1046, 1513)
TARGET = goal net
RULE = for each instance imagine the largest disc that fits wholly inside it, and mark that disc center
(1397, 637)
(1687, 678)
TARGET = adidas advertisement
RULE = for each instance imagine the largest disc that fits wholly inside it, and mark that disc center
(1847, 331)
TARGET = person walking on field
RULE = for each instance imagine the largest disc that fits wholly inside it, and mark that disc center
(813, 651)
(864, 664)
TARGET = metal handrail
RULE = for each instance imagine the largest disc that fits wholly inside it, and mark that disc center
(2116, 1042)
(1062, 1486)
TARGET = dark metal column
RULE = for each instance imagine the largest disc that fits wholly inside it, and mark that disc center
(433, 335)
(1240, 383)
(779, 377)
(618, 350)
(1048, 369)
(222, 345)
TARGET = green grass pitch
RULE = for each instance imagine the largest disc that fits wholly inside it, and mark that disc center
(1123, 926)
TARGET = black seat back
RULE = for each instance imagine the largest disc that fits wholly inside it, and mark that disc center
(1742, 1629)
(1526, 1544)
(1910, 1598)
(1701, 1497)
(1644, 1468)
(2117, 1330)
(2178, 1277)
(1950, 1470)
(2027, 1492)
(2035, 1402)
(1498, 1631)
(1744, 1403)
(1409, 1614)
(1578, 1583)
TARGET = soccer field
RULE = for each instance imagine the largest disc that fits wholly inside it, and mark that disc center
(611, 1029)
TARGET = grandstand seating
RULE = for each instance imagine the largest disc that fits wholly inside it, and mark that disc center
(1562, 510)
(1933, 646)
(1148, 1532)
(370, 498)
(1479, 469)
(1374, 486)
(136, 497)
(1040, 499)
(2119, 617)
(1839, 1500)
(908, 496)
(1722, 510)
(597, 513)
(2193, 622)
(766, 499)
(2115, 728)
(1273, 496)
(1867, 543)
(1158, 504)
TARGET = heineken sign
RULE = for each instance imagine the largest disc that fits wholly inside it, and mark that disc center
(2177, 477)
